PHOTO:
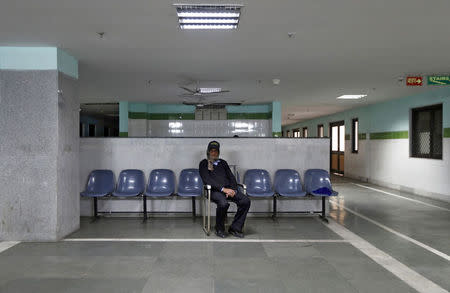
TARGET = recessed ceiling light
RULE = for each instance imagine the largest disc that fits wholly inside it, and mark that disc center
(351, 97)
(208, 16)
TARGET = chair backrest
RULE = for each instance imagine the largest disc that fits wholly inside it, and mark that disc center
(161, 181)
(287, 181)
(318, 180)
(190, 182)
(131, 181)
(257, 181)
(100, 181)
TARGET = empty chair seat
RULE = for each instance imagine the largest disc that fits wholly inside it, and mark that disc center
(131, 182)
(100, 184)
(190, 183)
(317, 183)
(287, 183)
(161, 182)
(257, 183)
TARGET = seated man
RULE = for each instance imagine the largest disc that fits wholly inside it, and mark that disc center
(217, 173)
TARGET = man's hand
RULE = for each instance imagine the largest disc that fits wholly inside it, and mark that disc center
(229, 192)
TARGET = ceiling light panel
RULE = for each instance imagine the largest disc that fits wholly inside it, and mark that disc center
(208, 16)
(351, 97)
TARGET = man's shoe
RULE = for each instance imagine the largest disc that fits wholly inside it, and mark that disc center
(236, 233)
(221, 234)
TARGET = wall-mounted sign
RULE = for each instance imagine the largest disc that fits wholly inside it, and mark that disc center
(414, 81)
(439, 80)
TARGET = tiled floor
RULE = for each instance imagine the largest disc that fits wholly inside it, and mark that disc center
(174, 255)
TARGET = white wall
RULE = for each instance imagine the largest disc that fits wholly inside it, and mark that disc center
(199, 128)
(180, 153)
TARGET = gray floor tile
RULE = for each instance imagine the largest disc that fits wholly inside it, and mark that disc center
(249, 285)
(163, 284)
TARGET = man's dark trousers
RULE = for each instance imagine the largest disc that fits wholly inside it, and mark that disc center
(243, 204)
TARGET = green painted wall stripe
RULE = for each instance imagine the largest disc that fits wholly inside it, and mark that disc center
(137, 115)
(446, 132)
(161, 116)
(249, 116)
(191, 116)
(123, 134)
(277, 134)
(170, 116)
(262, 108)
(362, 136)
(389, 135)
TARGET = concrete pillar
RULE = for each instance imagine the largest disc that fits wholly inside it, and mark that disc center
(39, 144)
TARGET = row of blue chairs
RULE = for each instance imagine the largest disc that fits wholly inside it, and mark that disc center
(287, 184)
(131, 183)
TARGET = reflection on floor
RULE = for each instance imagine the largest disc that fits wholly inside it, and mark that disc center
(292, 254)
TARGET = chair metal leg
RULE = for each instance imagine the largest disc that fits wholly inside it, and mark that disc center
(323, 216)
(95, 208)
(193, 208)
(145, 206)
(274, 215)
(209, 212)
(206, 200)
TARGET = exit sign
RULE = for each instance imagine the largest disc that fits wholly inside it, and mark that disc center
(414, 81)
(439, 80)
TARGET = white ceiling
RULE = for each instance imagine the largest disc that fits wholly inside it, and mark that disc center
(340, 47)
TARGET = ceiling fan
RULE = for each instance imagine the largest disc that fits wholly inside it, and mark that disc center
(200, 93)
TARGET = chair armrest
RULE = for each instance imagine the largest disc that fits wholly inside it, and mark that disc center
(243, 186)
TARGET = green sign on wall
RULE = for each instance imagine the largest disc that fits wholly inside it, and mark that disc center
(439, 80)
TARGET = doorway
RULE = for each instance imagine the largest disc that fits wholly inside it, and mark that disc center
(337, 134)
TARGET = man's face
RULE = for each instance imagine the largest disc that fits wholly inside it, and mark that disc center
(213, 153)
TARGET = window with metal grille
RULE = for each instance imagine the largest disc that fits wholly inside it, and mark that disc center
(426, 132)
(320, 130)
(355, 141)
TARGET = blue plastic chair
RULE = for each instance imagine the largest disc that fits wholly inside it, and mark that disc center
(257, 183)
(317, 183)
(190, 184)
(161, 182)
(100, 184)
(131, 182)
(287, 183)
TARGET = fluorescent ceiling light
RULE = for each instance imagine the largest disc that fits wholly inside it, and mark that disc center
(351, 97)
(209, 20)
(209, 90)
(207, 26)
(208, 16)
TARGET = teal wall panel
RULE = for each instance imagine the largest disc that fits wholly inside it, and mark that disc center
(389, 116)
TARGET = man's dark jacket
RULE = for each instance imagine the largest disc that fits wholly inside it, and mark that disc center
(220, 177)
